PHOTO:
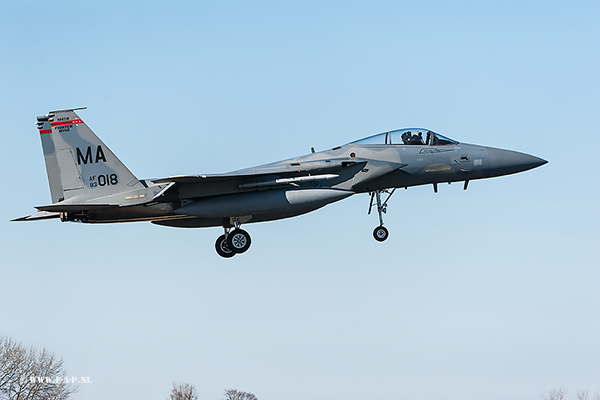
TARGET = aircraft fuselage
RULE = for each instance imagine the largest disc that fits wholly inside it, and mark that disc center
(89, 184)
(366, 168)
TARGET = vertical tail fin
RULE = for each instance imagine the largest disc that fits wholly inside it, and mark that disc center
(78, 163)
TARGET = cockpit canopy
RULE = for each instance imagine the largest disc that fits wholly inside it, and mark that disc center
(411, 136)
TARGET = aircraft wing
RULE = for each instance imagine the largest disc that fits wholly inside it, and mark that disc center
(264, 175)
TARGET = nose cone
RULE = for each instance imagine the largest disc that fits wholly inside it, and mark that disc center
(504, 162)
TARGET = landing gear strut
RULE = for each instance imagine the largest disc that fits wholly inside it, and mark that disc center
(380, 233)
(232, 242)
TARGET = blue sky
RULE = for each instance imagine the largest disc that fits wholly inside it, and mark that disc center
(489, 293)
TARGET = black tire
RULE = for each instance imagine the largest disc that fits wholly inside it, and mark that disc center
(380, 233)
(222, 248)
(238, 241)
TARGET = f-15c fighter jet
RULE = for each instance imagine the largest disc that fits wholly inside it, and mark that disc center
(89, 184)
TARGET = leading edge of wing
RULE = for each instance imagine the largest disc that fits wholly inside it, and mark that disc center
(261, 172)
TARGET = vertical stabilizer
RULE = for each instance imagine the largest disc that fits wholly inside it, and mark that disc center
(78, 163)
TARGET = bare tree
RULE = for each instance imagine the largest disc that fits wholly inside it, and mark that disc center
(183, 391)
(31, 374)
(561, 394)
(233, 394)
(555, 394)
(583, 395)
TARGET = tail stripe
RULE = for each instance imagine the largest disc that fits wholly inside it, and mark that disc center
(61, 123)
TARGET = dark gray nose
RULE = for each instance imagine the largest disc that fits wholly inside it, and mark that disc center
(504, 162)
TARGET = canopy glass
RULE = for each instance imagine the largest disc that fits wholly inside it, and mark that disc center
(411, 136)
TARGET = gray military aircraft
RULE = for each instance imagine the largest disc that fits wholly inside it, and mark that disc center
(89, 184)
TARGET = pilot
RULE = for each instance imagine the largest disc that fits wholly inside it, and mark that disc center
(406, 137)
(417, 138)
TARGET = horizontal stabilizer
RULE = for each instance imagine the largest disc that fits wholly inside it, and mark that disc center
(38, 216)
(75, 207)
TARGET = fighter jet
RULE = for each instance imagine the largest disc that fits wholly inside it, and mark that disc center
(89, 184)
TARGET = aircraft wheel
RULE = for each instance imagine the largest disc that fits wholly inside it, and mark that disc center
(238, 241)
(380, 233)
(222, 248)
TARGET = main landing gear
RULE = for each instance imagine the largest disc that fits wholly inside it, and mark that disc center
(232, 242)
(380, 233)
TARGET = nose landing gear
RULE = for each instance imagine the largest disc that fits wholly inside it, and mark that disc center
(380, 233)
